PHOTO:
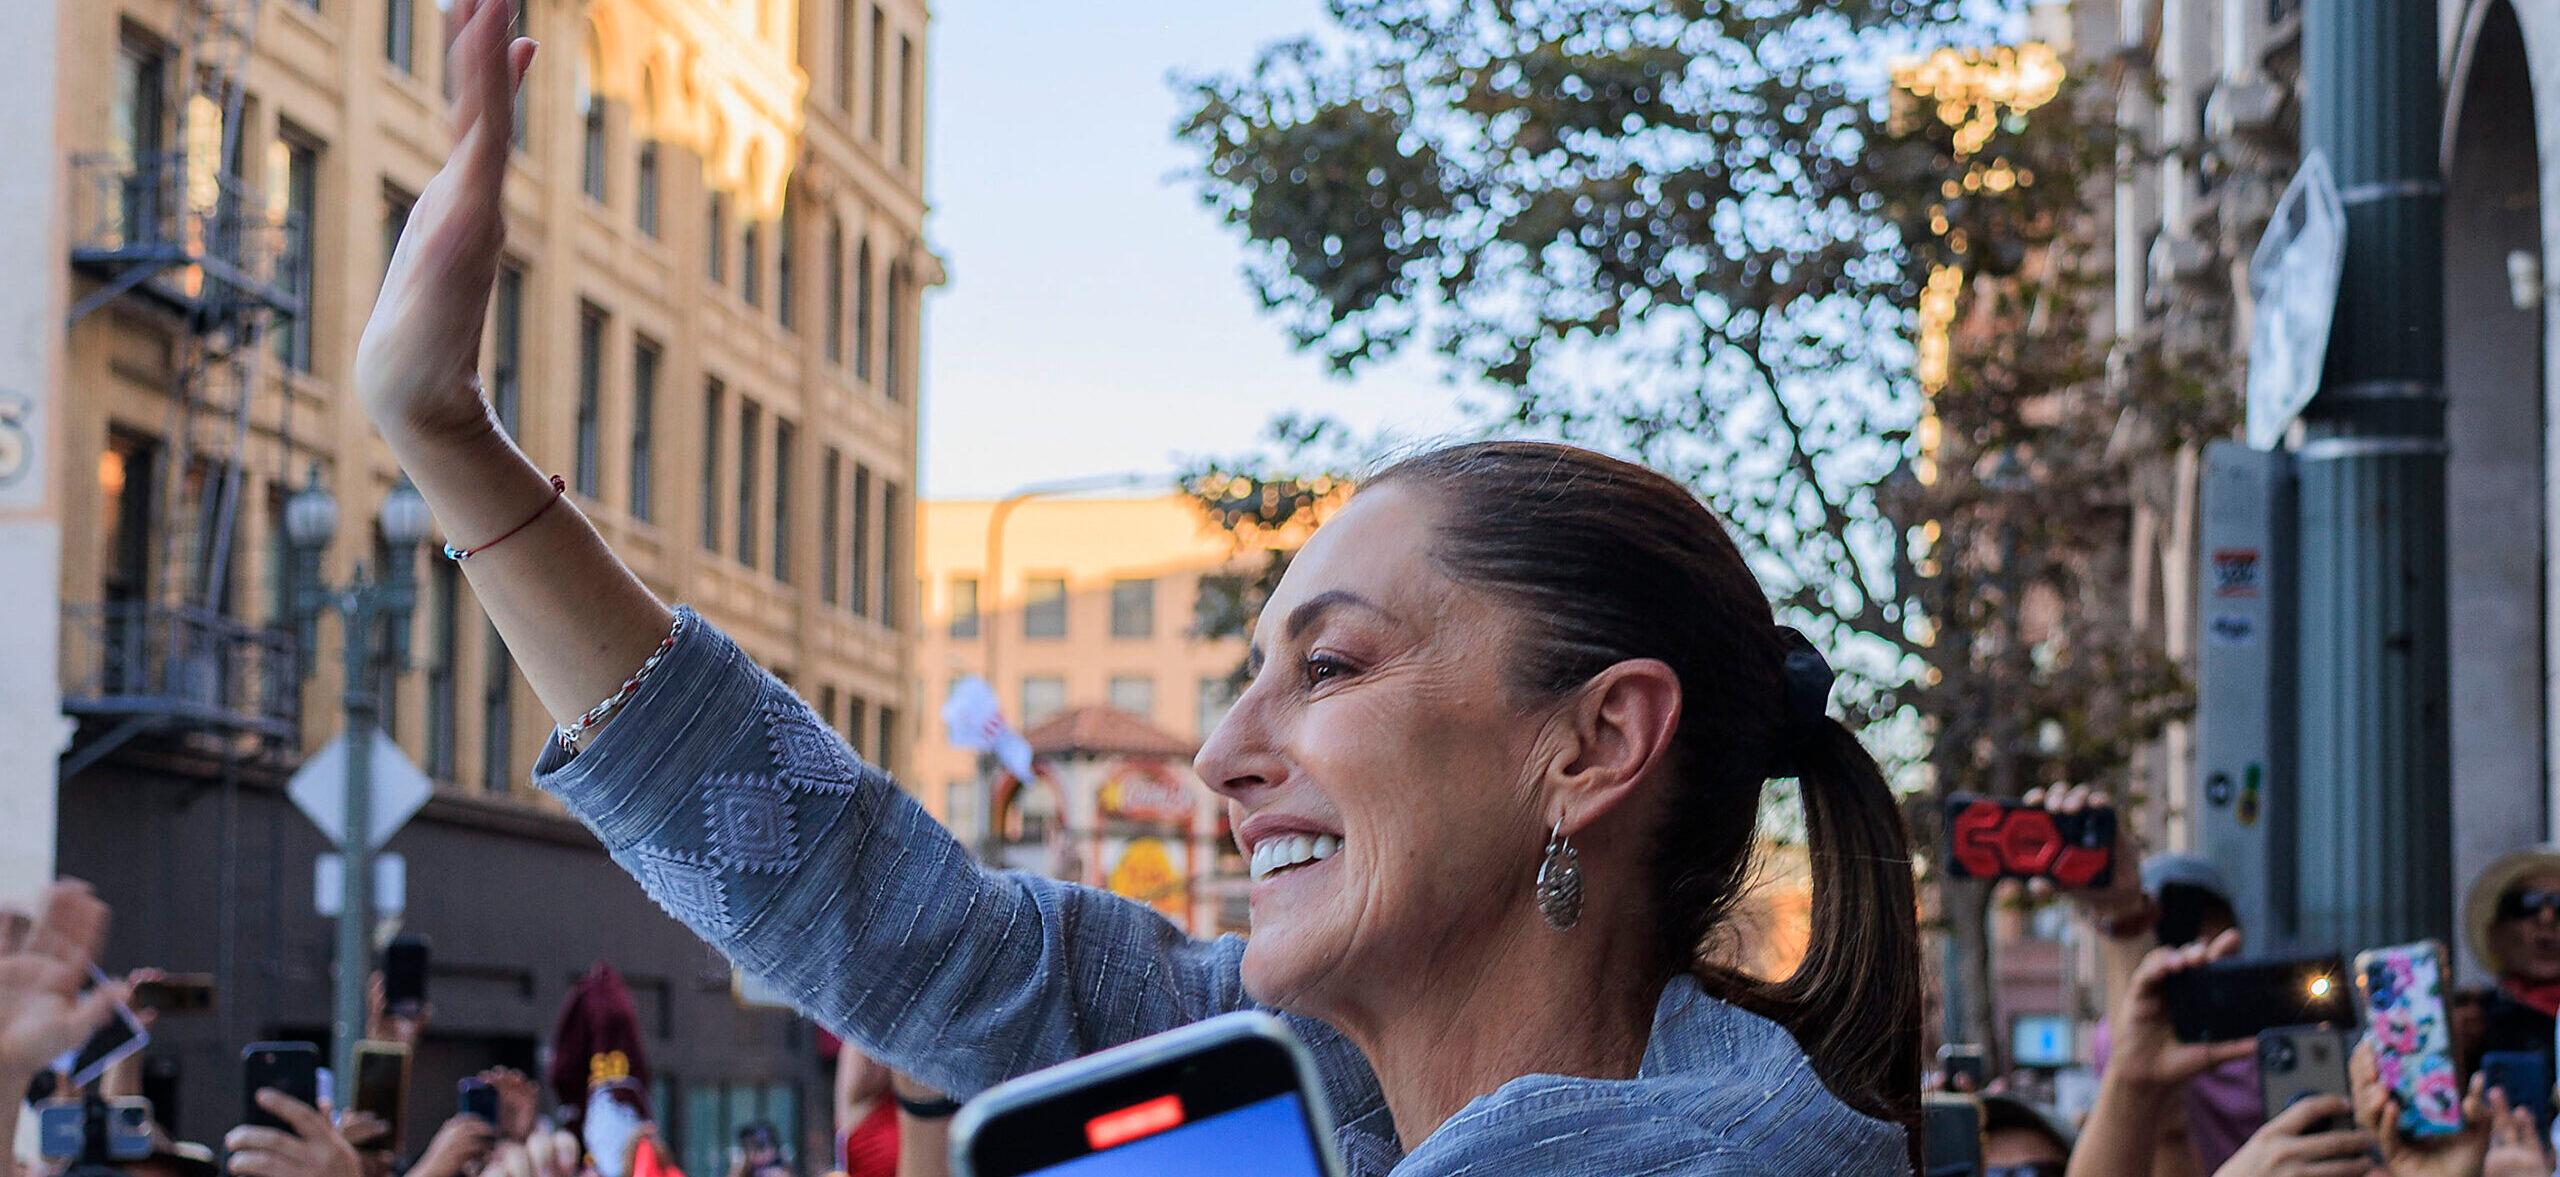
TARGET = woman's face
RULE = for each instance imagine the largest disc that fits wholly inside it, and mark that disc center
(2530, 945)
(1374, 766)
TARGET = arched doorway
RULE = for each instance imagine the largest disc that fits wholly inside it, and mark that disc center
(2496, 285)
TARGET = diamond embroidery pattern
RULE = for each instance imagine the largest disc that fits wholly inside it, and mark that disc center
(751, 826)
(687, 888)
(809, 755)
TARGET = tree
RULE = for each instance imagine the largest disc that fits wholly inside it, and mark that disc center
(1850, 309)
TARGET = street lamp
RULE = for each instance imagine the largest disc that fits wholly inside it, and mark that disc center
(372, 609)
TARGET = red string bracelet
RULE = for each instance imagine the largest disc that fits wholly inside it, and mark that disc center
(559, 487)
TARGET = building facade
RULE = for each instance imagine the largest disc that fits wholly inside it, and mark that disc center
(708, 322)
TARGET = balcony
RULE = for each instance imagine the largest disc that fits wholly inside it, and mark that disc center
(132, 669)
(202, 242)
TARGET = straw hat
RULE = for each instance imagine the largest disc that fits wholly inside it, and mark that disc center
(2480, 906)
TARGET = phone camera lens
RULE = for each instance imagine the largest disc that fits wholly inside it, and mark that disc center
(2280, 1057)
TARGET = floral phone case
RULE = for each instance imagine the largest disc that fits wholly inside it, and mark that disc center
(2403, 991)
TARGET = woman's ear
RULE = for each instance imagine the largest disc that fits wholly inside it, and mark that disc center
(1611, 735)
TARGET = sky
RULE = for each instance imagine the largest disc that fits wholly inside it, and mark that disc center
(1097, 321)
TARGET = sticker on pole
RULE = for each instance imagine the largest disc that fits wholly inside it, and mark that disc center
(2293, 286)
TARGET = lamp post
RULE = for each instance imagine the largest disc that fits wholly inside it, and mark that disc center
(371, 608)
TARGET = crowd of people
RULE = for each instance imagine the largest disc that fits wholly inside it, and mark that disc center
(888, 1126)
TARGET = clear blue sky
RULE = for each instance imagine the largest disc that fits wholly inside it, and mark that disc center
(1096, 320)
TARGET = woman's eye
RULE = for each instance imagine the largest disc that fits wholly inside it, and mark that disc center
(1322, 668)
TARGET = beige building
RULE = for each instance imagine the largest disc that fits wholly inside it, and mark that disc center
(1094, 602)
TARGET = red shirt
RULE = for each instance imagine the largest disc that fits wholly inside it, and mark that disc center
(871, 1147)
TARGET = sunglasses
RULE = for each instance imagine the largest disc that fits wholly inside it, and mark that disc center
(2524, 905)
(2034, 1169)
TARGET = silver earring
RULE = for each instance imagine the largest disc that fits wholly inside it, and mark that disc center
(1560, 881)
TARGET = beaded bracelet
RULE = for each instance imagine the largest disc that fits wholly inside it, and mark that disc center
(575, 730)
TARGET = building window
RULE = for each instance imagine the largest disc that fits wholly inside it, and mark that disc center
(885, 752)
(858, 593)
(135, 134)
(879, 39)
(893, 330)
(1217, 694)
(1043, 695)
(1044, 607)
(296, 160)
(893, 563)
(964, 606)
(835, 289)
(1218, 609)
(644, 427)
(395, 221)
(506, 351)
(786, 243)
(715, 249)
(1133, 608)
(1135, 694)
(827, 706)
(784, 435)
(590, 400)
(906, 101)
(845, 31)
(644, 188)
(750, 441)
(830, 546)
(712, 406)
(400, 34)
(444, 650)
(128, 478)
(857, 720)
(862, 310)
(751, 264)
(591, 145)
(497, 716)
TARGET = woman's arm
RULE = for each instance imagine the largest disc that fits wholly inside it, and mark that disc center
(574, 618)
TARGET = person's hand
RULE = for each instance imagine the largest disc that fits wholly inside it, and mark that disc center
(2516, 1148)
(550, 1153)
(42, 965)
(364, 1131)
(459, 1149)
(2147, 1050)
(2122, 895)
(2378, 1110)
(384, 1024)
(415, 363)
(2287, 1146)
(312, 1149)
(519, 1101)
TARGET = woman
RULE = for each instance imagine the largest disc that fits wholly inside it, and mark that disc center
(2512, 920)
(1500, 666)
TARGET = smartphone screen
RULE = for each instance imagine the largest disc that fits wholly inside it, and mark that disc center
(1224, 1098)
(404, 975)
(382, 1081)
(473, 1096)
(112, 1043)
(290, 1067)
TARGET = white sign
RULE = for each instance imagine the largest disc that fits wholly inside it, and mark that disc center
(975, 721)
(2293, 287)
(390, 885)
(320, 789)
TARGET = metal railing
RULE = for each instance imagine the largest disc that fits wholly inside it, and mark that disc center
(190, 668)
(200, 234)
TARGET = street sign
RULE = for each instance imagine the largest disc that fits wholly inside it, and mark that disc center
(320, 789)
(2293, 289)
(390, 885)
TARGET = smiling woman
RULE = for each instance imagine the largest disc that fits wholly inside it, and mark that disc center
(1498, 762)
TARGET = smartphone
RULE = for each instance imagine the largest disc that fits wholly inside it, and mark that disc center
(382, 1082)
(2403, 989)
(2230, 1000)
(120, 1037)
(178, 993)
(1965, 1067)
(62, 1129)
(404, 975)
(473, 1096)
(1989, 838)
(2298, 1062)
(290, 1067)
(1240, 1085)
(1950, 1135)
(2525, 1075)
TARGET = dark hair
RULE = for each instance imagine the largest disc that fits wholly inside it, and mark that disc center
(1609, 562)
(2184, 908)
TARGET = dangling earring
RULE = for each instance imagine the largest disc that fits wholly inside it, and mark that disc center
(1560, 881)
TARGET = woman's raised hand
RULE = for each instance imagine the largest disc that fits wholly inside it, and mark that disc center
(414, 367)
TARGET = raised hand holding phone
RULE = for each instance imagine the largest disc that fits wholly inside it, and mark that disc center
(43, 1010)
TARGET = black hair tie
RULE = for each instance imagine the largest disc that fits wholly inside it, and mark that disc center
(1807, 704)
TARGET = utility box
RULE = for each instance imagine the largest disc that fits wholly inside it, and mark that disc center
(2246, 817)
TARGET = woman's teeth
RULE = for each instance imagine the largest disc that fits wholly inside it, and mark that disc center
(1279, 854)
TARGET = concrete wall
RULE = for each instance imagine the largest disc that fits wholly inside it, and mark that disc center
(31, 309)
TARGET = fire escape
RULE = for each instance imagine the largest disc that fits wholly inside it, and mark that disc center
(179, 240)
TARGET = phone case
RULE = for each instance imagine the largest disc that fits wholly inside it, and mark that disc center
(2298, 1062)
(2412, 1041)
